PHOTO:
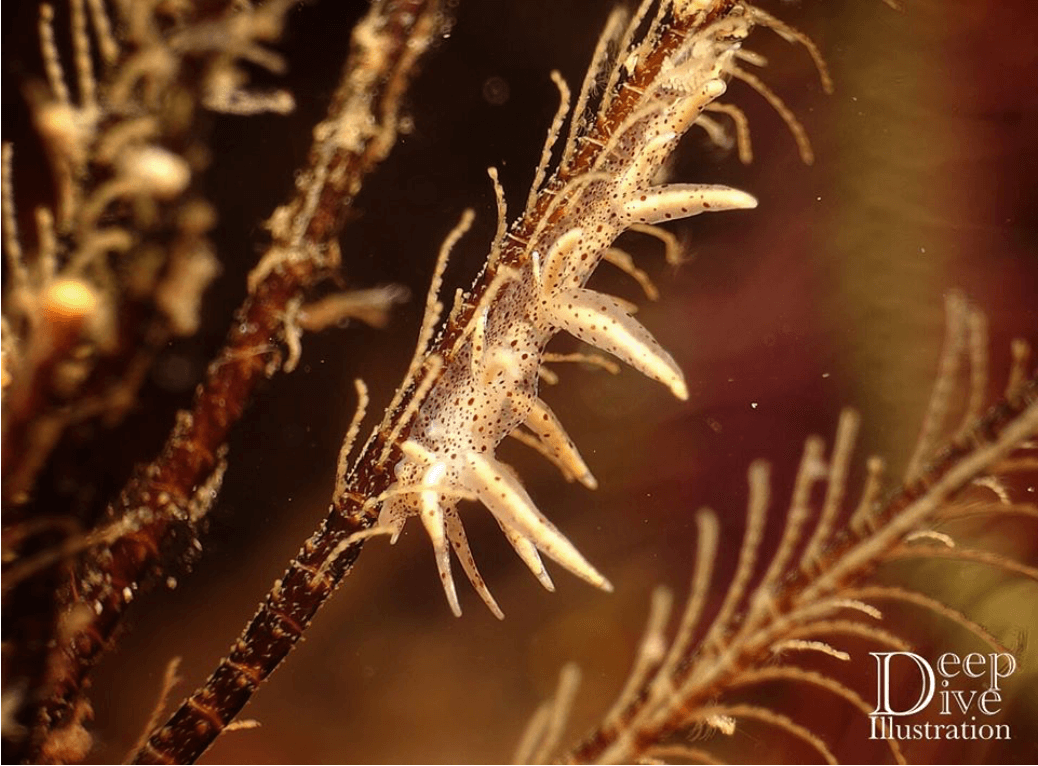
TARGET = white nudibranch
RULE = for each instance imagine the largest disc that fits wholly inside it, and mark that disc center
(476, 384)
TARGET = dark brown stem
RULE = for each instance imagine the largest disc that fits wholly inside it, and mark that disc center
(161, 493)
(324, 560)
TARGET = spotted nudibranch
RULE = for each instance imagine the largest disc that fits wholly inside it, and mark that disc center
(482, 385)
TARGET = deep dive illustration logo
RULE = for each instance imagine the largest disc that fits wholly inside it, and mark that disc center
(962, 692)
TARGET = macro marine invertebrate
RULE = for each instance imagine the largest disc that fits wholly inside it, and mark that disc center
(479, 382)
(476, 382)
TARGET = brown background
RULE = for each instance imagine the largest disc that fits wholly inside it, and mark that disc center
(829, 294)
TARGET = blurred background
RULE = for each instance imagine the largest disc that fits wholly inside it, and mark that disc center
(830, 294)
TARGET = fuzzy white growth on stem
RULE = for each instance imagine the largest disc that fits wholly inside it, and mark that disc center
(549, 141)
(51, 60)
(351, 435)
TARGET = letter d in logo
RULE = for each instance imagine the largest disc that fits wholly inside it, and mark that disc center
(926, 676)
